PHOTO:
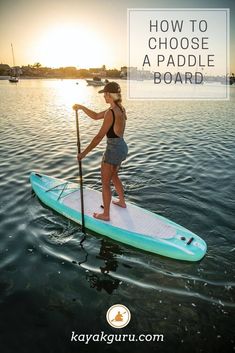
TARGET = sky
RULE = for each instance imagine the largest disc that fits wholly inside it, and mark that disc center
(80, 33)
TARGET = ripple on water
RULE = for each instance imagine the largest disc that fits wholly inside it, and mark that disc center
(180, 165)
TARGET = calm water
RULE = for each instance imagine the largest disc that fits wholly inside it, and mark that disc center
(181, 165)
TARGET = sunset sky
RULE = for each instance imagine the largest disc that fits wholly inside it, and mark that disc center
(81, 33)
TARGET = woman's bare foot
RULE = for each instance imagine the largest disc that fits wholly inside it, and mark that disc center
(119, 203)
(101, 216)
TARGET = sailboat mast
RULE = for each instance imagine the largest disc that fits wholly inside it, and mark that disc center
(13, 57)
(14, 71)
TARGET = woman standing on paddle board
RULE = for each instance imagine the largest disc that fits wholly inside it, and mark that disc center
(116, 151)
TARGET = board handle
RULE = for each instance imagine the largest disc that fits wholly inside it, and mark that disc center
(190, 241)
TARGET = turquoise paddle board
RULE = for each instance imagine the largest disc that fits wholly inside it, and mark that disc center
(132, 225)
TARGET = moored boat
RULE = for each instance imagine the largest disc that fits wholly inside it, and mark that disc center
(14, 72)
(96, 81)
(13, 79)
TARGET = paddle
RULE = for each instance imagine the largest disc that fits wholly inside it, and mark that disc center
(80, 173)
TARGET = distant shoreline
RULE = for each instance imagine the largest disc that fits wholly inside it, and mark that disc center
(2, 78)
(37, 71)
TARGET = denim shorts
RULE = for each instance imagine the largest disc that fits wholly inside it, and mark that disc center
(116, 151)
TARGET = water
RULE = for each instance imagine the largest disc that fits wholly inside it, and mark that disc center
(180, 165)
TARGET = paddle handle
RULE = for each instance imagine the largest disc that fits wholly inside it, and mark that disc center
(80, 173)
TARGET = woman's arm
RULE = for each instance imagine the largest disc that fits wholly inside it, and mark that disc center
(89, 112)
(108, 120)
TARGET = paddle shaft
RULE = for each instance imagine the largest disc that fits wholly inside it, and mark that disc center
(80, 173)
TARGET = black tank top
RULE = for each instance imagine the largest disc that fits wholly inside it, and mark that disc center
(111, 132)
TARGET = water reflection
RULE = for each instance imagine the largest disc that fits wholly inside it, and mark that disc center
(107, 253)
(181, 165)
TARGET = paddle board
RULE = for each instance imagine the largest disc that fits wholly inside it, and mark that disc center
(132, 225)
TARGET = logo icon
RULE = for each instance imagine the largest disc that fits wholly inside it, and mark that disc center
(118, 316)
